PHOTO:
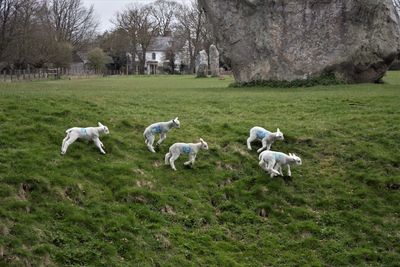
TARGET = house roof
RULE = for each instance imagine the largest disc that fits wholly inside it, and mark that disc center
(160, 43)
(80, 57)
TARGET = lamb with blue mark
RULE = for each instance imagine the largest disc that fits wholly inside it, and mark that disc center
(160, 128)
(89, 133)
(266, 137)
(272, 162)
(190, 149)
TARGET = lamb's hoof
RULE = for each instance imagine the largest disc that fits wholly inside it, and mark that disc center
(62, 153)
(249, 148)
(174, 169)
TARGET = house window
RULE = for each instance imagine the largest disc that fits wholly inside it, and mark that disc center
(153, 56)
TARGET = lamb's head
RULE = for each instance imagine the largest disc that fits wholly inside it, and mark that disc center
(279, 135)
(176, 123)
(204, 145)
(104, 128)
(296, 159)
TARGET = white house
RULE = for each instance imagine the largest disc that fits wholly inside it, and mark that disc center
(156, 55)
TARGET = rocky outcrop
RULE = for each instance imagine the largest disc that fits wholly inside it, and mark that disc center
(202, 64)
(214, 61)
(356, 40)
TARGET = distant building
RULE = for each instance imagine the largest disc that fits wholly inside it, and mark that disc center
(158, 53)
(79, 63)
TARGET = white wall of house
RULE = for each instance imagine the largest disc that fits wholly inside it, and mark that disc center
(160, 58)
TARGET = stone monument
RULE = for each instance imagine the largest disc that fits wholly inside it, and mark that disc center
(356, 41)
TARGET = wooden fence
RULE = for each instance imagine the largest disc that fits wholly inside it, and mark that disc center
(51, 74)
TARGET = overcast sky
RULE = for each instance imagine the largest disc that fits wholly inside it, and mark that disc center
(106, 9)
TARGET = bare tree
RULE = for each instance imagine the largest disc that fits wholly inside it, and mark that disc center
(72, 22)
(192, 28)
(138, 25)
(23, 45)
(28, 36)
(8, 24)
(164, 15)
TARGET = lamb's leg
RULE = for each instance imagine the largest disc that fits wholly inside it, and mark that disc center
(264, 145)
(280, 169)
(150, 141)
(192, 158)
(269, 146)
(289, 173)
(97, 142)
(263, 165)
(63, 143)
(102, 145)
(167, 158)
(162, 138)
(172, 161)
(72, 139)
(271, 169)
(249, 140)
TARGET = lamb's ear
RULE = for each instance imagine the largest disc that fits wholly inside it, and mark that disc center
(201, 140)
(290, 154)
(278, 130)
(99, 123)
(176, 118)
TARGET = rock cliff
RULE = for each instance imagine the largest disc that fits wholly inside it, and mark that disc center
(356, 40)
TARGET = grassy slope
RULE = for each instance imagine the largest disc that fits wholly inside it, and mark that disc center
(341, 207)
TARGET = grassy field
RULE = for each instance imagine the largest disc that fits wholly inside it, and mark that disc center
(340, 208)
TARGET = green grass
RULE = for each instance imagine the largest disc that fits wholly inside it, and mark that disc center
(340, 208)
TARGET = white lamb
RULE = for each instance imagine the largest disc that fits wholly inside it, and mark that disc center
(267, 138)
(89, 133)
(272, 162)
(159, 128)
(184, 148)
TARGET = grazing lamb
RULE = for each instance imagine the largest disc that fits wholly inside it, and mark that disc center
(183, 148)
(159, 128)
(272, 162)
(267, 138)
(90, 133)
